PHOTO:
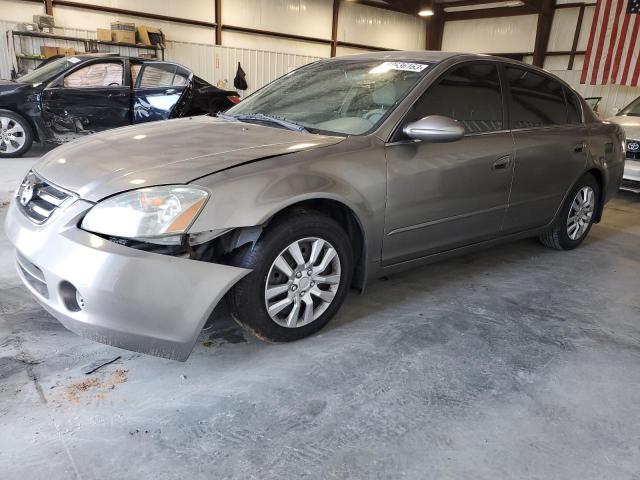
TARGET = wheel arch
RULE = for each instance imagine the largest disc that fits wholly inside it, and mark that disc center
(235, 238)
(348, 220)
(35, 131)
(599, 176)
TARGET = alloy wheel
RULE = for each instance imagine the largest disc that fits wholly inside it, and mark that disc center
(581, 212)
(12, 135)
(302, 282)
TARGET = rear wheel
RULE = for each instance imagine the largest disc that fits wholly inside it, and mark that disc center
(576, 216)
(16, 136)
(302, 267)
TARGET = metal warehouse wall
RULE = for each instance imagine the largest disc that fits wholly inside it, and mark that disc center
(218, 64)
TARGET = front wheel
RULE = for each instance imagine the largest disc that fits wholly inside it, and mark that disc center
(576, 216)
(16, 136)
(302, 268)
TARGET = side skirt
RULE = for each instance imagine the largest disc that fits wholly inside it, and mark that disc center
(436, 257)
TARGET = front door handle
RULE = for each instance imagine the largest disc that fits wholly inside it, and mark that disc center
(502, 163)
(170, 91)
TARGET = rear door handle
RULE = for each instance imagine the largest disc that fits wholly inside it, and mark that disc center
(502, 163)
(170, 91)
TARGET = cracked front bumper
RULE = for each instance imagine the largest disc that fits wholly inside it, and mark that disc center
(140, 301)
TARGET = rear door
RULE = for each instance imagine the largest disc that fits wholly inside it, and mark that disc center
(444, 195)
(158, 88)
(551, 146)
(94, 96)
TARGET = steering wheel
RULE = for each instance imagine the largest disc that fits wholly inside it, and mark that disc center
(114, 84)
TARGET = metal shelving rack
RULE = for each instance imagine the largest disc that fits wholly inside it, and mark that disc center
(89, 44)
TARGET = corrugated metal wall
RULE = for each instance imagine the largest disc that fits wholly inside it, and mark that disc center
(216, 64)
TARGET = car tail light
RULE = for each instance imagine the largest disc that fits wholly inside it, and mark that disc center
(234, 99)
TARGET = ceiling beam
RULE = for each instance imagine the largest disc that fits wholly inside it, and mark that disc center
(534, 4)
(435, 29)
(488, 13)
(334, 27)
(218, 21)
(543, 32)
(386, 6)
(576, 37)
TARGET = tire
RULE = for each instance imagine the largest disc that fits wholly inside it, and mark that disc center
(16, 135)
(563, 234)
(248, 299)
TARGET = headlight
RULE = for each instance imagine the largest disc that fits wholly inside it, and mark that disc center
(147, 212)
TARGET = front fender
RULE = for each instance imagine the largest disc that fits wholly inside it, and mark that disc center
(352, 173)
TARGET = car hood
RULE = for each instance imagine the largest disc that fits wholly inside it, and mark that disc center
(630, 124)
(167, 152)
(9, 86)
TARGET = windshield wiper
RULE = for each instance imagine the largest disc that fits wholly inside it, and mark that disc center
(261, 117)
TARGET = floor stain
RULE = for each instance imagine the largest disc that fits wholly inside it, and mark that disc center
(74, 392)
(231, 334)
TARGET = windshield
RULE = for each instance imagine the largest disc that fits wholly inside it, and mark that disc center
(348, 97)
(48, 71)
(633, 109)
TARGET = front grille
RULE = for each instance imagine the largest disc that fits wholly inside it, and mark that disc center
(633, 149)
(33, 275)
(38, 199)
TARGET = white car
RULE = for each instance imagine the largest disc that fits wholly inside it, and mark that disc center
(629, 119)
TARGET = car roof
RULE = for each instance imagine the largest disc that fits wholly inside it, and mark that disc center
(402, 56)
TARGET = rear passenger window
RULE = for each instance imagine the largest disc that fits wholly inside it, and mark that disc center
(573, 104)
(536, 101)
(157, 75)
(470, 94)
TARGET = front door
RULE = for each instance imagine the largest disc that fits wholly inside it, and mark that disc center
(445, 195)
(551, 147)
(90, 98)
(158, 88)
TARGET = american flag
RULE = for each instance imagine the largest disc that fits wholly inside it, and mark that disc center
(613, 52)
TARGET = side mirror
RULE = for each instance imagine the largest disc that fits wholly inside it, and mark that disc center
(435, 128)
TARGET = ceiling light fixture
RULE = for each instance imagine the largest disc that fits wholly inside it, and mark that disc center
(427, 12)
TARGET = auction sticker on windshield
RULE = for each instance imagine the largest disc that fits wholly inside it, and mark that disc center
(404, 66)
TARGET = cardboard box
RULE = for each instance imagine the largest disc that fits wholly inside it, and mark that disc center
(48, 52)
(122, 36)
(44, 20)
(67, 52)
(123, 26)
(28, 27)
(149, 35)
(103, 34)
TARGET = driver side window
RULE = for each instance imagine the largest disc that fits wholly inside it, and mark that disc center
(96, 75)
(470, 94)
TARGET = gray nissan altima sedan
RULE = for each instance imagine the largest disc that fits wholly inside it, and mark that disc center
(341, 171)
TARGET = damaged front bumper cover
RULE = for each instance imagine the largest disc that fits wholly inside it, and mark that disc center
(140, 301)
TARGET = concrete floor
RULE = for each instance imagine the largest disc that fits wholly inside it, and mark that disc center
(518, 362)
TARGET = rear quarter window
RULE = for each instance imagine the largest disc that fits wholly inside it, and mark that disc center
(536, 100)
